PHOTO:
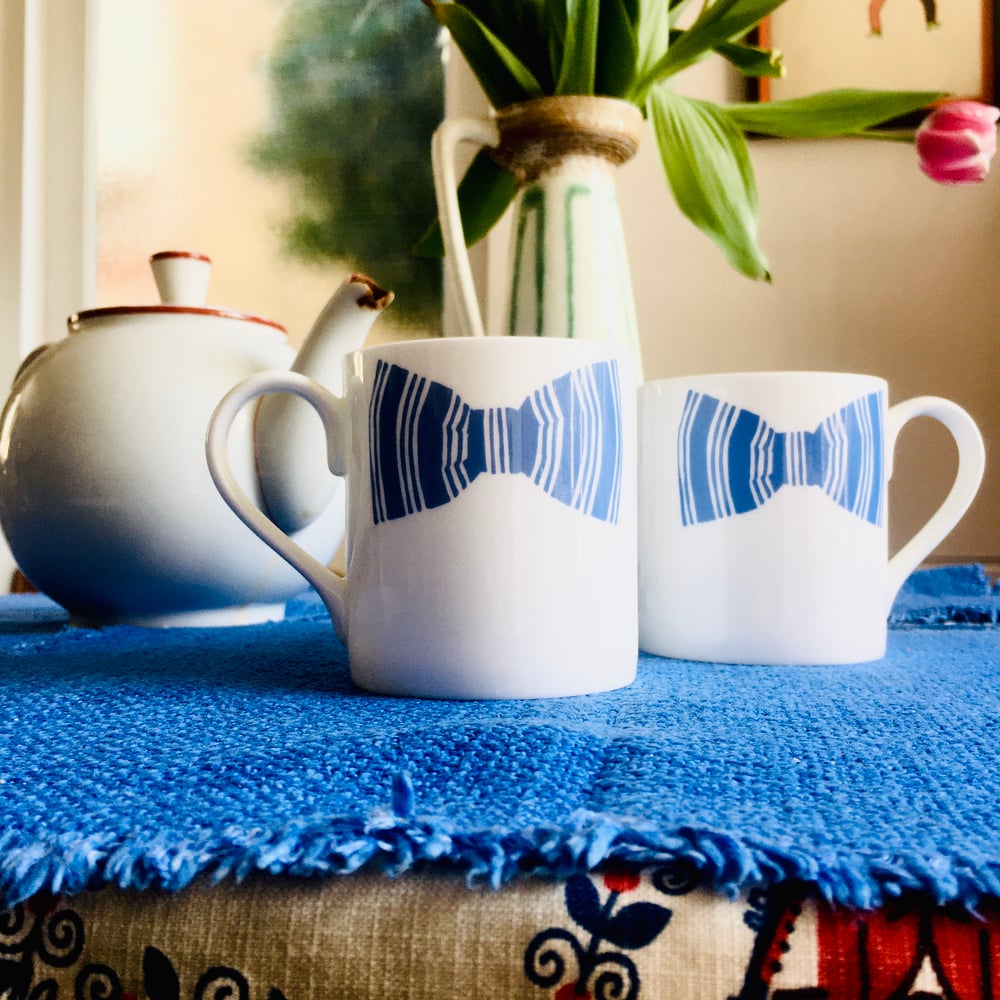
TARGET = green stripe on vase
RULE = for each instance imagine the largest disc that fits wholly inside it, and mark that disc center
(570, 274)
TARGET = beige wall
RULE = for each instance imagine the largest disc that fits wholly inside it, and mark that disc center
(876, 269)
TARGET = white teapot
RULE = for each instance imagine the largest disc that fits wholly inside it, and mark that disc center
(105, 496)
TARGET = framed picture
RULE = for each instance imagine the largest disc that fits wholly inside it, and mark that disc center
(947, 45)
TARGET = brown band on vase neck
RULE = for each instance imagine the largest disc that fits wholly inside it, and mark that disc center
(536, 134)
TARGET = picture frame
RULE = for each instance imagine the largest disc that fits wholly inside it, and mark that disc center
(945, 45)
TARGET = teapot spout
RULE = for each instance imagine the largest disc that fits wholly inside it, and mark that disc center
(296, 484)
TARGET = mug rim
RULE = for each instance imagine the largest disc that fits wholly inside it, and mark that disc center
(798, 374)
(581, 343)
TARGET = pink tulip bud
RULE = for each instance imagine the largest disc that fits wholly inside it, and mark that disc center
(956, 142)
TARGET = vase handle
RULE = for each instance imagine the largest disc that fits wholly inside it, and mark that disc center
(447, 136)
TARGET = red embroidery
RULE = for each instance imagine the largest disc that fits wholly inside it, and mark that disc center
(622, 880)
(880, 955)
(568, 992)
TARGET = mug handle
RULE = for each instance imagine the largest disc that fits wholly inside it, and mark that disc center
(332, 411)
(444, 144)
(971, 464)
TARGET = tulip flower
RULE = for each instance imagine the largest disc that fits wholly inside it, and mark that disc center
(956, 142)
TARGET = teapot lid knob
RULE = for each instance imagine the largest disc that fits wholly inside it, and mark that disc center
(181, 277)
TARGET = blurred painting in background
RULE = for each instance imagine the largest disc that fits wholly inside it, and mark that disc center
(893, 44)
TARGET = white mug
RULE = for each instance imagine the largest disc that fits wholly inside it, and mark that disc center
(762, 514)
(491, 536)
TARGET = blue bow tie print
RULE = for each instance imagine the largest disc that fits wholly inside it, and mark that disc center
(731, 462)
(427, 445)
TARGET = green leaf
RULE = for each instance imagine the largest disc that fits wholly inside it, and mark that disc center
(719, 22)
(498, 16)
(503, 77)
(831, 113)
(554, 19)
(616, 57)
(748, 59)
(707, 164)
(557, 18)
(483, 196)
(521, 27)
(652, 33)
(537, 42)
(579, 59)
(753, 61)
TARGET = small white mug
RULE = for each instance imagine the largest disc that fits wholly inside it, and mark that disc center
(491, 538)
(762, 514)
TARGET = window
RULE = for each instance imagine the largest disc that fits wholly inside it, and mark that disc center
(288, 141)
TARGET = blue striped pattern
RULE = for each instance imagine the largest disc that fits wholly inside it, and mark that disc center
(729, 461)
(427, 445)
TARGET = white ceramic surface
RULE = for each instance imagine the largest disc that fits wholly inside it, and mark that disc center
(501, 586)
(181, 276)
(762, 514)
(105, 497)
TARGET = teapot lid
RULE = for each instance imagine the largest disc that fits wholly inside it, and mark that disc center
(182, 281)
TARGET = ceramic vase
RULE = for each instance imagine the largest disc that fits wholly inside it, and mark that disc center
(569, 273)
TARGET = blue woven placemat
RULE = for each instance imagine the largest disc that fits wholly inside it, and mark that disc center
(948, 595)
(146, 758)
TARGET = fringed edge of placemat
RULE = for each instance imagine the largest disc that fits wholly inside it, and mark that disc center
(395, 840)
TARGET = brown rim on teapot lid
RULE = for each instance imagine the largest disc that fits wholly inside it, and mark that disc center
(182, 280)
(187, 254)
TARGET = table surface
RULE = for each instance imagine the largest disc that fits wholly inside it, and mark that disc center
(147, 758)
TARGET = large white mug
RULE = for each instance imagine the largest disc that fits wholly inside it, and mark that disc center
(762, 514)
(491, 539)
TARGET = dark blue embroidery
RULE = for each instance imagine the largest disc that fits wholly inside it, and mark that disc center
(162, 982)
(606, 972)
(41, 933)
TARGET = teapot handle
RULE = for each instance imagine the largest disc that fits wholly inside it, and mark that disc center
(332, 411)
(444, 144)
